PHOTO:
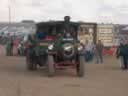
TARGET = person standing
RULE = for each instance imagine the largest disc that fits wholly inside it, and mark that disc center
(32, 49)
(99, 52)
(9, 47)
(124, 54)
(88, 51)
(118, 55)
(92, 47)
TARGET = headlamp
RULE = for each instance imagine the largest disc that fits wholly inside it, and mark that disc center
(50, 47)
(80, 47)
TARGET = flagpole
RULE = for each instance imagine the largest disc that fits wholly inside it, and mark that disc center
(9, 10)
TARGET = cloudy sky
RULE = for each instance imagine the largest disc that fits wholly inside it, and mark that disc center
(107, 11)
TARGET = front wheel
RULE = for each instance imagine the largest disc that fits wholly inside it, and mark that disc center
(80, 66)
(51, 66)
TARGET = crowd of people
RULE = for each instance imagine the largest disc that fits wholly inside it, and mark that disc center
(14, 47)
(94, 51)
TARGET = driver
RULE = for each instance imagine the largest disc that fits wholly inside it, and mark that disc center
(32, 42)
(58, 42)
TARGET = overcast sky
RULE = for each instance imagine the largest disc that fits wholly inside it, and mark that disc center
(115, 11)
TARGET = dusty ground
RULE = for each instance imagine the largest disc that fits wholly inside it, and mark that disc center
(100, 80)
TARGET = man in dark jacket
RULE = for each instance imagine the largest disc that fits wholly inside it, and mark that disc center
(32, 42)
(118, 50)
(118, 56)
(124, 54)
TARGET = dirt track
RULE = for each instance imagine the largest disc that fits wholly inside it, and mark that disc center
(100, 80)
